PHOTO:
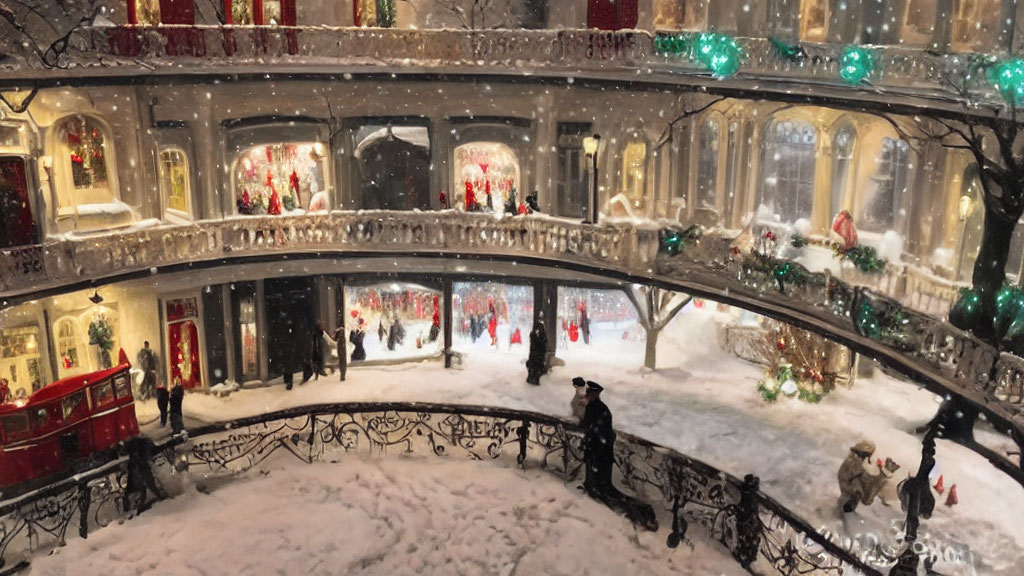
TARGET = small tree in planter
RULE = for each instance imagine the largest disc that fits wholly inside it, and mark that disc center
(801, 364)
(102, 335)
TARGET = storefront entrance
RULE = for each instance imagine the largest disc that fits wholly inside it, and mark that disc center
(290, 324)
(183, 345)
(17, 228)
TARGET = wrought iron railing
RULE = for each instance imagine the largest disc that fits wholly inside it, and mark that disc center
(169, 47)
(926, 348)
(708, 497)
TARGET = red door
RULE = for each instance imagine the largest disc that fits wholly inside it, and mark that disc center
(183, 342)
(611, 14)
(17, 228)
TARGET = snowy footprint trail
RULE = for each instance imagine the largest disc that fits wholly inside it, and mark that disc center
(402, 516)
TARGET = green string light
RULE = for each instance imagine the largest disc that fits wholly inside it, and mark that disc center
(855, 64)
(1008, 78)
(719, 53)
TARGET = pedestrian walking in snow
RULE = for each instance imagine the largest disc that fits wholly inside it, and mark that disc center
(598, 443)
(531, 201)
(140, 475)
(316, 358)
(177, 396)
(536, 362)
(162, 397)
(578, 404)
(147, 364)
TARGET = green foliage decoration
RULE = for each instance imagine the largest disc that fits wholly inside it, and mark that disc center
(717, 52)
(856, 63)
(672, 242)
(1008, 77)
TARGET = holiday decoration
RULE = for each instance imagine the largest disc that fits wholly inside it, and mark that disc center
(882, 321)
(1008, 78)
(790, 52)
(102, 335)
(856, 63)
(938, 485)
(845, 245)
(717, 52)
(800, 364)
(386, 13)
(274, 207)
(672, 242)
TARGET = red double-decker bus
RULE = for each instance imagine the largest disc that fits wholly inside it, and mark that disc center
(66, 422)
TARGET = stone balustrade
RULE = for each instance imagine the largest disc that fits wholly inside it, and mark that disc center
(921, 345)
(174, 48)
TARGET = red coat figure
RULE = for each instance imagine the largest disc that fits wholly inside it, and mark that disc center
(492, 329)
(516, 338)
(843, 228)
(293, 181)
(470, 197)
(574, 332)
(274, 206)
(444, 201)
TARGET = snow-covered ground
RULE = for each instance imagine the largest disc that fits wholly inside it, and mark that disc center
(703, 402)
(403, 516)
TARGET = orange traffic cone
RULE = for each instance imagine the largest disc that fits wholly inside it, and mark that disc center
(938, 485)
(952, 499)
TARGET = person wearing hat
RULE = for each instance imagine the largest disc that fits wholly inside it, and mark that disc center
(598, 443)
(854, 474)
(578, 404)
(536, 361)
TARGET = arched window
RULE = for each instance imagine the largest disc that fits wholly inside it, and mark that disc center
(67, 346)
(788, 169)
(707, 164)
(883, 209)
(174, 182)
(814, 20)
(919, 20)
(976, 25)
(85, 159)
(634, 168)
(842, 154)
(679, 14)
(971, 212)
(394, 167)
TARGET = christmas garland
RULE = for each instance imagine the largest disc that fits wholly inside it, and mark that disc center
(864, 258)
(672, 242)
(717, 52)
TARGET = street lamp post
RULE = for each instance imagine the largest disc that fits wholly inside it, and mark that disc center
(590, 148)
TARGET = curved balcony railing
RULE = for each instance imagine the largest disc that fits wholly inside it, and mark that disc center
(924, 347)
(172, 48)
(755, 528)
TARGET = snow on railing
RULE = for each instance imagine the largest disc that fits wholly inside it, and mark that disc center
(767, 533)
(923, 346)
(171, 46)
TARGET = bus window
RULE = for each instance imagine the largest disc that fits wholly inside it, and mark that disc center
(122, 385)
(102, 394)
(41, 416)
(14, 427)
(72, 404)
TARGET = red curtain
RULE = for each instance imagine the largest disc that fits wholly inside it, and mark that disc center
(177, 12)
(184, 341)
(16, 225)
(611, 14)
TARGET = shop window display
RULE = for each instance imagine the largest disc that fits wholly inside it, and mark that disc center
(86, 158)
(67, 346)
(492, 315)
(280, 178)
(393, 321)
(679, 14)
(20, 359)
(598, 319)
(488, 174)
(243, 302)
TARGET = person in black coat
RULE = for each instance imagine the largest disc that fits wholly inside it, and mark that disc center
(176, 398)
(536, 362)
(141, 451)
(531, 201)
(356, 338)
(598, 444)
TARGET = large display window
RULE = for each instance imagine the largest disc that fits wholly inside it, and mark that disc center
(487, 174)
(393, 321)
(596, 319)
(492, 316)
(280, 178)
(20, 359)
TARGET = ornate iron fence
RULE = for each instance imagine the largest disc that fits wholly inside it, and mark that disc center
(759, 532)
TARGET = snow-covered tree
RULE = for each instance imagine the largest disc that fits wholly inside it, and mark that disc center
(656, 307)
